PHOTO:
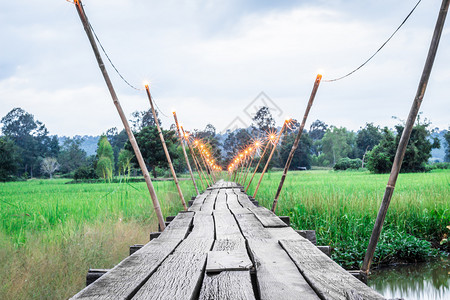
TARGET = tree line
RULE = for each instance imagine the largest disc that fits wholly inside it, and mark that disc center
(27, 149)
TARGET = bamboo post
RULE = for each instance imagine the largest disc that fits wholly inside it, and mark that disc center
(270, 158)
(405, 138)
(184, 151)
(197, 164)
(297, 140)
(134, 145)
(257, 165)
(250, 164)
(208, 170)
(166, 151)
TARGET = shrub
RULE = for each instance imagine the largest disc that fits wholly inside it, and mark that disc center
(347, 163)
(85, 172)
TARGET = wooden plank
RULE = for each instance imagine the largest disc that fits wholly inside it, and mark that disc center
(178, 228)
(327, 278)
(227, 285)
(180, 275)
(233, 204)
(203, 226)
(226, 226)
(208, 205)
(277, 276)
(125, 278)
(219, 261)
(267, 217)
(221, 201)
(244, 200)
(198, 202)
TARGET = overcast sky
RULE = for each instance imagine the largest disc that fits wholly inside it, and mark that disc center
(209, 60)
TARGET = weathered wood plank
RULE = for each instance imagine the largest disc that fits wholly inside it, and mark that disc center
(233, 204)
(327, 278)
(208, 205)
(227, 285)
(277, 275)
(180, 275)
(267, 217)
(125, 278)
(203, 226)
(221, 201)
(226, 226)
(219, 261)
(198, 202)
(179, 227)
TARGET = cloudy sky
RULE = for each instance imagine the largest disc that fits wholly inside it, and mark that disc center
(209, 60)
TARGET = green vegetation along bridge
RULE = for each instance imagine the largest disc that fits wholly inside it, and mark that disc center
(226, 247)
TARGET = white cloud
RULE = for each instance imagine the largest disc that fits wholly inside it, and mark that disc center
(209, 59)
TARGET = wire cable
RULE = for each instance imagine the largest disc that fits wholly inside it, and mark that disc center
(117, 71)
(364, 63)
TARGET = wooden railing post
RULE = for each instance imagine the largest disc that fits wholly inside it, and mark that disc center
(166, 151)
(405, 138)
(134, 145)
(297, 140)
(184, 151)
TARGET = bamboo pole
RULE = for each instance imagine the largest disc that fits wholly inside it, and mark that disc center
(257, 165)
(131, 138)
(249, 165)
(208, 170)
(166, 151)
(184, 152)
(297, 140)
(270, 158)
(405, 138)
(197, 164)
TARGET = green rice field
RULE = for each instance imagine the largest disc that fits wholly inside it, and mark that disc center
(52, 232)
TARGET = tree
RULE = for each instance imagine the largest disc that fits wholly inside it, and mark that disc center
(49, 166)
(151, 147)
(105, 156)
(316, 132)
(235, 142)
(337, 143)
(71, 157)
(31, 136)
(124, 164)
(302, 155)
(367, 138)
(417, 153)
(117, 140)
(381, 157)
(143, 119)
(9, 159)
(447, 148)
(208, 137)
(264, 120)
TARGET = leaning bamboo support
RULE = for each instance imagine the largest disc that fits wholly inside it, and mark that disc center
(257, 165)
(166, 151)
(401, 149)
(297, 140)
(131, 138)
(184, 152)
(270, 158)
(196, 163)
(249, 165)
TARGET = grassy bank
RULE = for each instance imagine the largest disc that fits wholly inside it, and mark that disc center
(342, 207)
(51, 233)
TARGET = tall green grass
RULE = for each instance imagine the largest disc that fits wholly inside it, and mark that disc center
(51, 233)
(342, 207)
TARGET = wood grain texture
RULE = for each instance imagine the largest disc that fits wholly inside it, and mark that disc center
(227, 285)
(219, 261)
(198, 201)
(327, 278)
(178, 228)
(277, 276)
(267, 217)
(221, 202)
(180, 275)
(125, 278)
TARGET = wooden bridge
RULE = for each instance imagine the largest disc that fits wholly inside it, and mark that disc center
(226, 247)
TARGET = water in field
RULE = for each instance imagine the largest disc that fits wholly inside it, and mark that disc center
(425, 281)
